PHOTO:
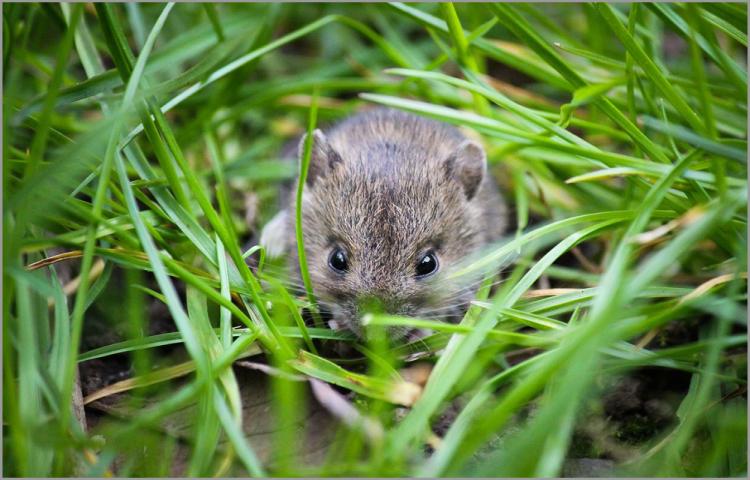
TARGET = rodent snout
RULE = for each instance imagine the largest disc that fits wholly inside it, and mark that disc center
(366, 305)
(370, 303)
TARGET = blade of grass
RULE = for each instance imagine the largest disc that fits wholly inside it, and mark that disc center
(462, 48)
(524, 31)
(605, 307)
(213, 16)
(460, 350)
(234, 65)
(81, 297)
(500, 130)
(40, 138)
(736, 74)
(237, 437)
(499, 335)
(163, 138)
(304, 166)
(534, 69)
(654, 73)
(225, 315)
(396, 391)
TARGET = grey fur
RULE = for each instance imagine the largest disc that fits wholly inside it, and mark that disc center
(387, 186)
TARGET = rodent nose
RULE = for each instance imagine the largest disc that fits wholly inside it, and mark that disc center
(376, 304)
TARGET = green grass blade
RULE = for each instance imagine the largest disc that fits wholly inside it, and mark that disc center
(304, 166)
(654, 73)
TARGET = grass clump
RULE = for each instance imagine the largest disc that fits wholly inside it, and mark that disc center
(141, 158)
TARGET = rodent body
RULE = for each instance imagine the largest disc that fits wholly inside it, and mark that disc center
(391, 204)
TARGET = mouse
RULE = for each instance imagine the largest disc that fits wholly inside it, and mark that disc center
(392, 203)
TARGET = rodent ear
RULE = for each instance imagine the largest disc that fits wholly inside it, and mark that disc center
(322, 156)
(467, 164)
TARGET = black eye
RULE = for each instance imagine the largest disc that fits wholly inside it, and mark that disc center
(427, 265)
(337, 261)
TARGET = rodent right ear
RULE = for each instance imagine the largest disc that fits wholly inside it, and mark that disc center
(322, 156)
(467, 164)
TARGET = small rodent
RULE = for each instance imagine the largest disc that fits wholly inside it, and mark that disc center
(392, 202)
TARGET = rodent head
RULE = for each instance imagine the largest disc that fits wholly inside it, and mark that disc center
(384, 222)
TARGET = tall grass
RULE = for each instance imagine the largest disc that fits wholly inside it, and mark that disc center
(135, 135)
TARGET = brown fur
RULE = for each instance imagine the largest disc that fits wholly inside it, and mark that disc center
(387, 186)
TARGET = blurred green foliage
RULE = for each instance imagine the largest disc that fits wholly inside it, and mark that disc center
(138, 136)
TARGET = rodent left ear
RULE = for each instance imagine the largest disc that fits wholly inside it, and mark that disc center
(322, 156)
(467, 164)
